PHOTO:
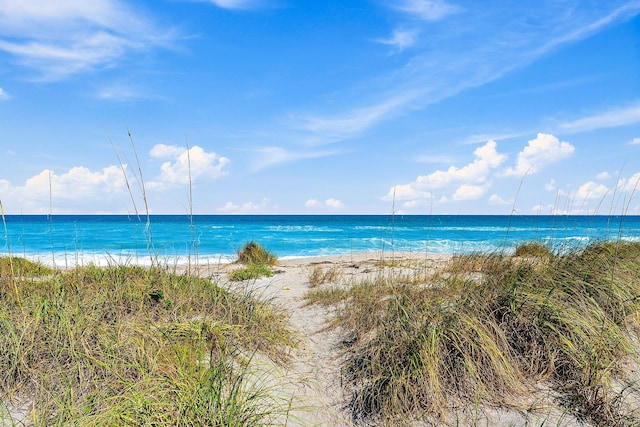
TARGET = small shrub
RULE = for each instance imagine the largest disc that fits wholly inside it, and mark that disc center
(252, 271)
(253, 253)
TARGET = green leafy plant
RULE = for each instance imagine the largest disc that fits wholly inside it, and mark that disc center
(252, 271)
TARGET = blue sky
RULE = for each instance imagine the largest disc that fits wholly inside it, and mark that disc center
(327, 106)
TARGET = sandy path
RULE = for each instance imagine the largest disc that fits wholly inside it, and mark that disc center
(313, 378)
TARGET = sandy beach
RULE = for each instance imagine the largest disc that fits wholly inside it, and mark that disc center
(310, 383)
(313, 377)
(312, 380)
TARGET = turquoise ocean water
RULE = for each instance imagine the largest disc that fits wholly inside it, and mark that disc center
(68, 240)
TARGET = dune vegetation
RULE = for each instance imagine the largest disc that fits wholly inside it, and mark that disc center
(445, 345)
(256, 262)
(126, 345)
(494, 331)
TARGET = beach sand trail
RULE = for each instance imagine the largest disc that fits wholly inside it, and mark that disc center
(313, 376)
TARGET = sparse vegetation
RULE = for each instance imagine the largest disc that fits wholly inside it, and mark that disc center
(318, 275)
(127, 345)
(252, 271)
(488, 339)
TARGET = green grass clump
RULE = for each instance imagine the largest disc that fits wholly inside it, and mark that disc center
(252, 271)
(533, 249)
(490, 337)
(21, 267)
(127, 345)
(253, 253)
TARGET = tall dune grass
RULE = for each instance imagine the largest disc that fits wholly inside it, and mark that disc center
(489, 331)
(135, 346)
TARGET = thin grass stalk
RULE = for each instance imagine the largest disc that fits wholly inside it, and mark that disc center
(11, 269)
(53, 255)
(191, 225)
(126, 177)
(150, 247)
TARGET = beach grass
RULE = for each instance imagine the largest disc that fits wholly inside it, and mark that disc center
(253, 253)
(490, 331)
(256, 260)
(127, 345)
(251, 271)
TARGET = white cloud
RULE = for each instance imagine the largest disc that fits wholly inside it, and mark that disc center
(635, 141)
(400, 39)
(616, 117)
(62, 38)
(329, 203)
(405, 192)
(247, 207)
(4, 94)
(78, 185)
(313, 203)
(603, 176)
(540, 152)
(469, 192)
(551, 185)
(412, 204)
(162, 151)
(631, 185)
(334, 203)
(428, 10)
(590, 190)
(497, 200)
(194, 163)
(470, 176)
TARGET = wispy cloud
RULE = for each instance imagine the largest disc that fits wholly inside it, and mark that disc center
(3, 94)
(626, 10)
(635, 141)
(469, 52)
(238, 4)
(337, 128)
(270, 156)
(401, 39)
(621, 116)
(125, 92)
(57, 39)
(428, 10)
